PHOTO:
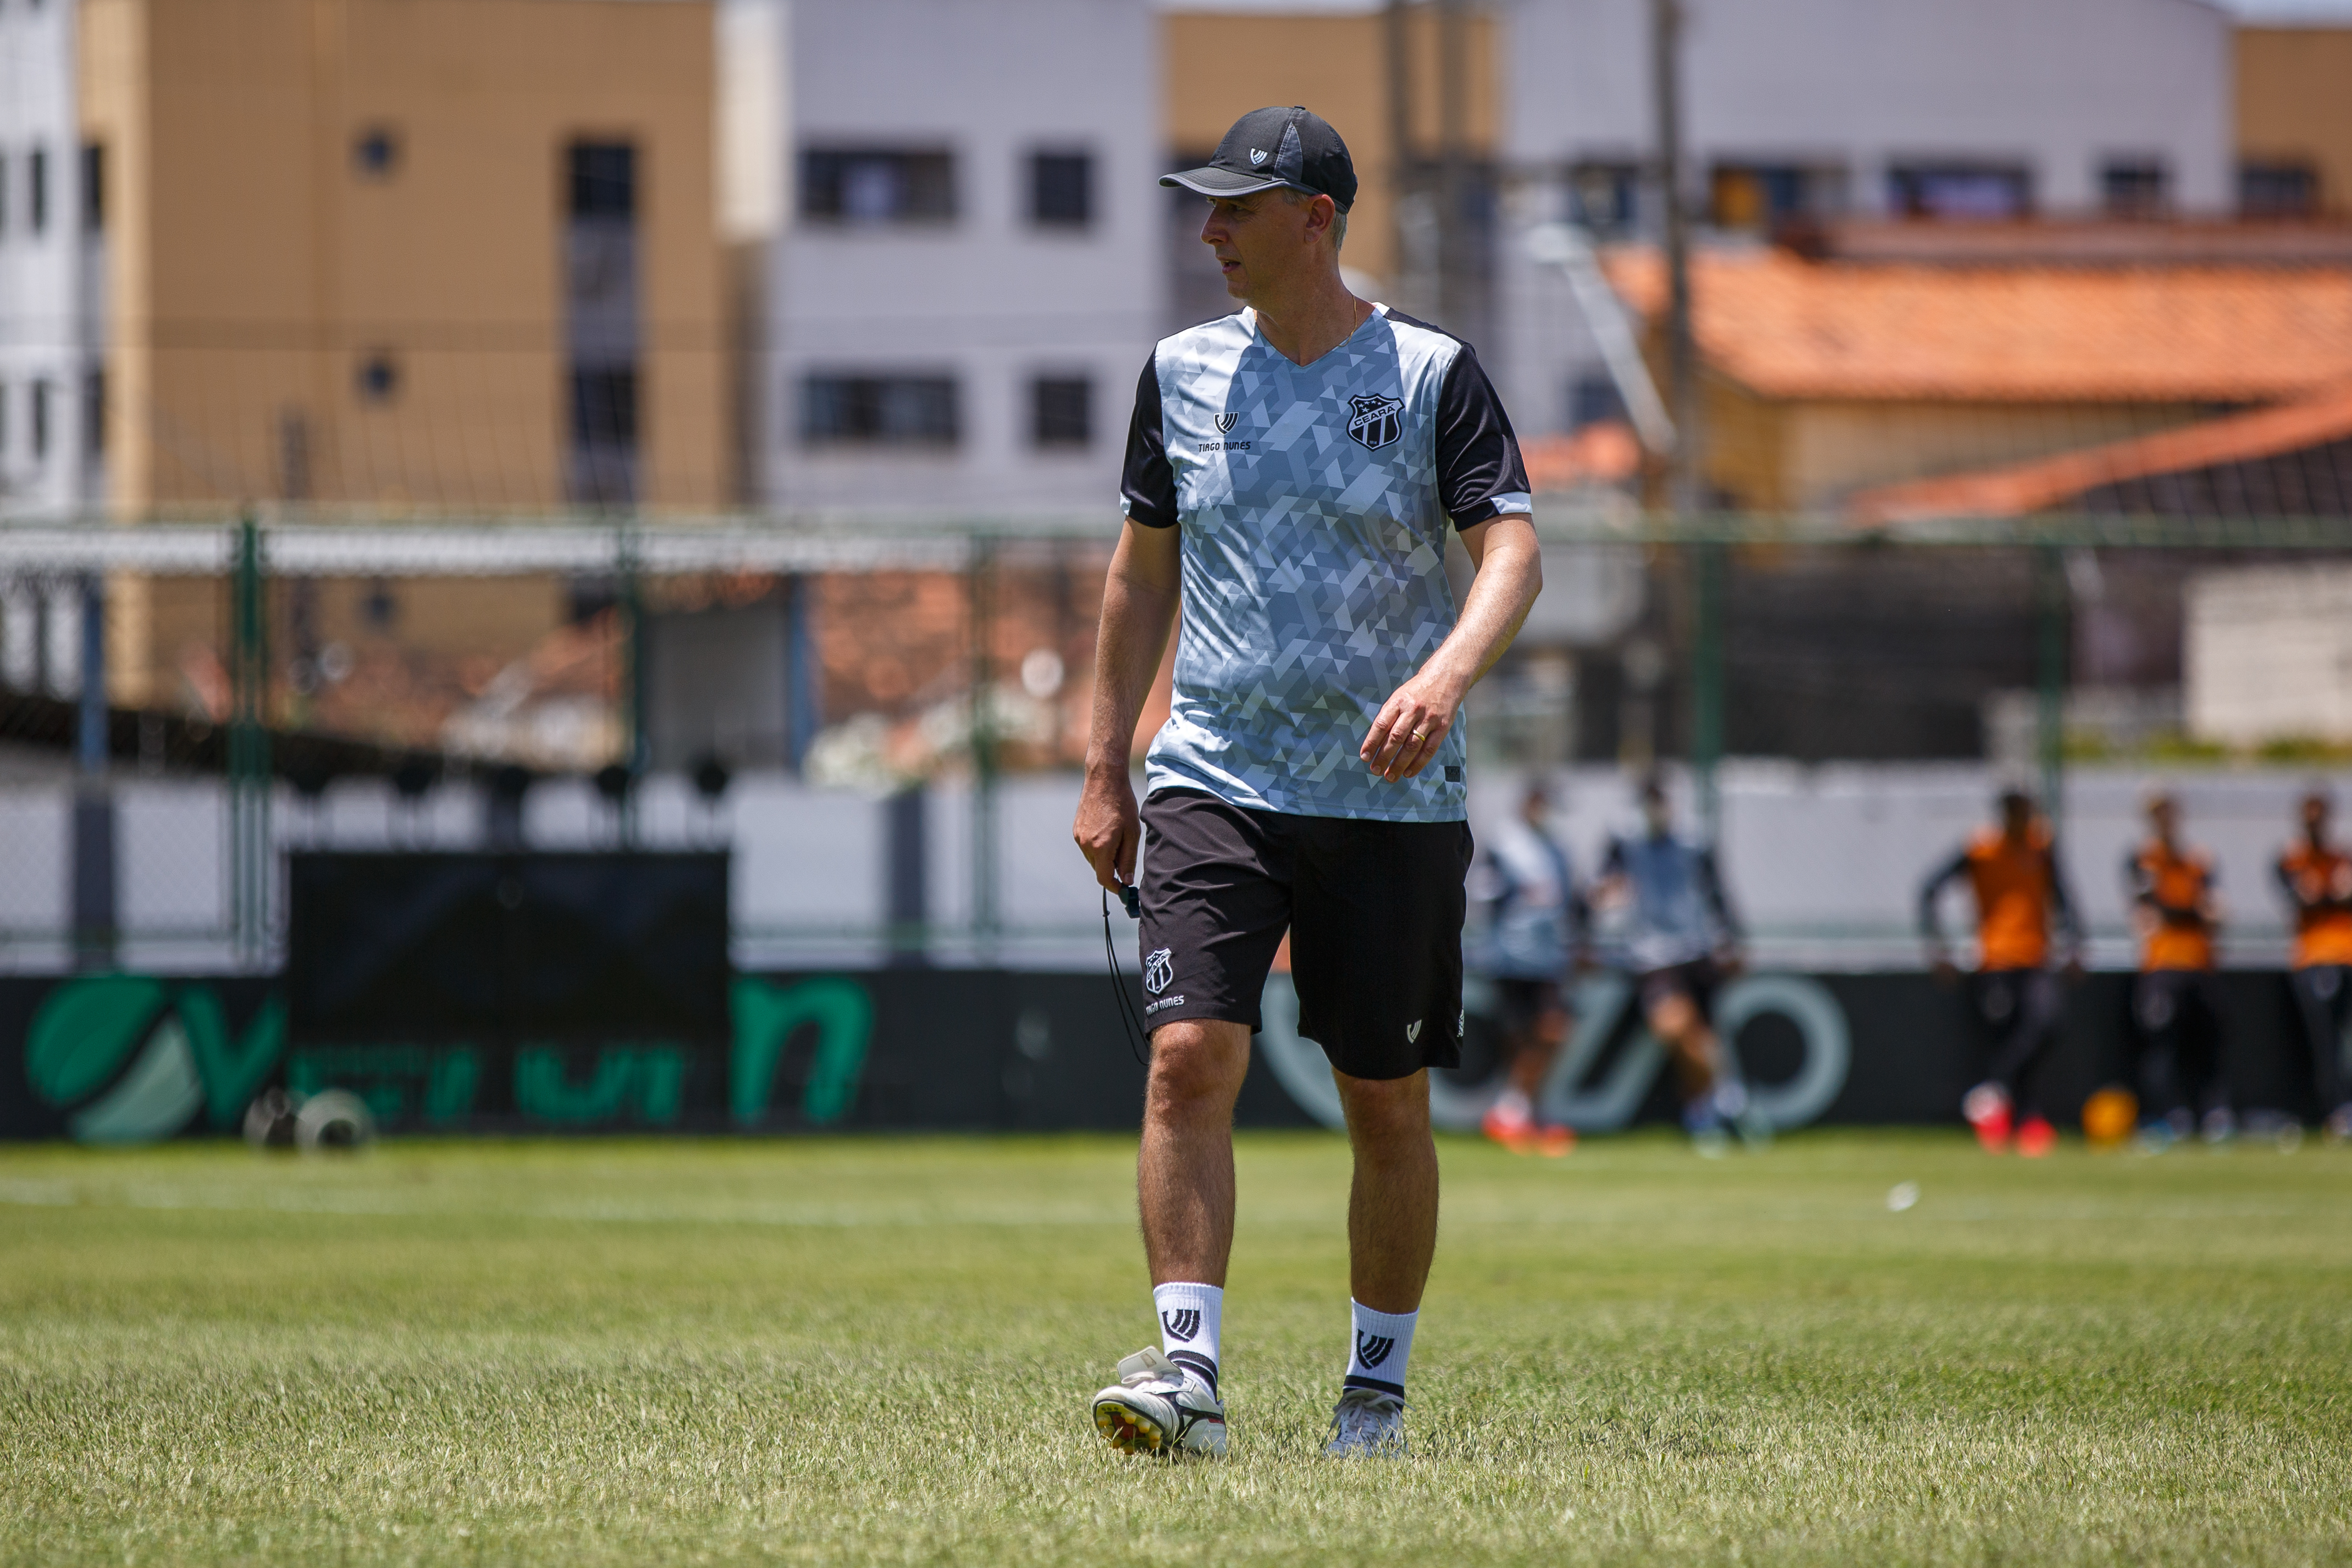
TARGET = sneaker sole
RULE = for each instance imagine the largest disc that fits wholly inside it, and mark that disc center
(1128, 1429)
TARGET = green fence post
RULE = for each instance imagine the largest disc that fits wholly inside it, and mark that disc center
(248, 750)
(2050, 677)
(636, 746)
(1706, 684)
(983, 592)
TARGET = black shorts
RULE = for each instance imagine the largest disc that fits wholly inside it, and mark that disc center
(1697, 980)
(1373, 909)
(1521, 1003)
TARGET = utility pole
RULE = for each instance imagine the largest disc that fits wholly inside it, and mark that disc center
(1455, 304)
(1683, 477)
(1682, 356)
(1403, 168)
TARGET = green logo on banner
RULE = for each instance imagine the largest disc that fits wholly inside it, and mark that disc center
(768, 1016)
(131, 1060)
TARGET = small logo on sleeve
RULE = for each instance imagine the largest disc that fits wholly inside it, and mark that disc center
(1376, 421)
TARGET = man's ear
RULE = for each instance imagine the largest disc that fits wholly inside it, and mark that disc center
(1322, 212)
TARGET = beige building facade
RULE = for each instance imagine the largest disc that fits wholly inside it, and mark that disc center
(345, 258)
(2294, 121)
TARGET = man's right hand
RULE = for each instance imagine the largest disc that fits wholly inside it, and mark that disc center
(1107, 829)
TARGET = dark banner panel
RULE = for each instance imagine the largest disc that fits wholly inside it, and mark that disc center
(447, 947)
(130, 1058)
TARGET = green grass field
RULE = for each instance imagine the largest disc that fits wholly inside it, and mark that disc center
(880, 1351)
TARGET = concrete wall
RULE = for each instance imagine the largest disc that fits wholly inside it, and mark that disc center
(986, 298)
(1824, 863)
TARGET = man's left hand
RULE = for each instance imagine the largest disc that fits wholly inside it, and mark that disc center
(1410, 726)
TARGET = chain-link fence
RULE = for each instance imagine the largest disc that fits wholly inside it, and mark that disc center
(883, 718)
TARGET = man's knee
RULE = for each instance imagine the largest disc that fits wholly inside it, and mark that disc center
(1673, 1018)
(1197, 1065)
(1386, 1112)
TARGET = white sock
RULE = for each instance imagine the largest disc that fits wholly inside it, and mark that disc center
(1192, 1326)
(1380, 1348)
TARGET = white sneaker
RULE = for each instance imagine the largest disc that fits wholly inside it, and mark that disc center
(1156, 1408)
(1368, 1425)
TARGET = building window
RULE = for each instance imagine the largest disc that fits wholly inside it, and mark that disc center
(40, 420)
(3, 418)
(604, 409)
(4, 193)
(93, 413)
(877, 185)
(1061, 411)
(36, 190)
(1062, 189)
(378, 378)
(2132, 187)
(375, 152)
(1593, 400)
(1763, 196)
(603, 180)
(1993, 190)
(892, 410)
(93, 188)
(1604, 197)
(2278, 190)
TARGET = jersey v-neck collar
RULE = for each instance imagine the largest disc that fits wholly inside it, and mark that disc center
(1249, 317)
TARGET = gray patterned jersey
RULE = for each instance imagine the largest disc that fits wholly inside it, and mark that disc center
(1314, 501)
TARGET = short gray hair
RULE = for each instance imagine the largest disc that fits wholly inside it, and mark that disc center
(1300, 198)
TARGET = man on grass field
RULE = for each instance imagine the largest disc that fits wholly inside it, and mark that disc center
(1291, 475)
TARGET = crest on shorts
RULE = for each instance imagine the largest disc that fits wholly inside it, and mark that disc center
(1413, 1032)
(1226, 421)
(1158, 970)
(1376, 421)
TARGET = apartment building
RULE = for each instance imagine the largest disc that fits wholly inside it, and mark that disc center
(51, 213)
(434, 254)
(968, 272)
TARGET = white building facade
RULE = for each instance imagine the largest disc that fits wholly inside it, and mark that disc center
(51, 299)
(1826, 109)
(966, 275)
(50, 233)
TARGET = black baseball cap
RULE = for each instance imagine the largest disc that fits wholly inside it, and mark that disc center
(1293, 147)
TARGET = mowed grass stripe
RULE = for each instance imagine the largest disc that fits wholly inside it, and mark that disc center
(871, 1350)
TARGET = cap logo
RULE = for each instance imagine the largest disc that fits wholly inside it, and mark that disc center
(1257, 157)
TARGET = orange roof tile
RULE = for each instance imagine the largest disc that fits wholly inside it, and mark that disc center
(1606, 453)
(1788, 328)
(2047, 482)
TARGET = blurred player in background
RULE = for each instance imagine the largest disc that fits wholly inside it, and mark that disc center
(2020, 901)
(1681, 940)
(1535, 939)
(2317, 879)
(2177, 997)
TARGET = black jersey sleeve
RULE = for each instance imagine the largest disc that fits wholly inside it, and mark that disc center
(1147, 486)
(1480, 474)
